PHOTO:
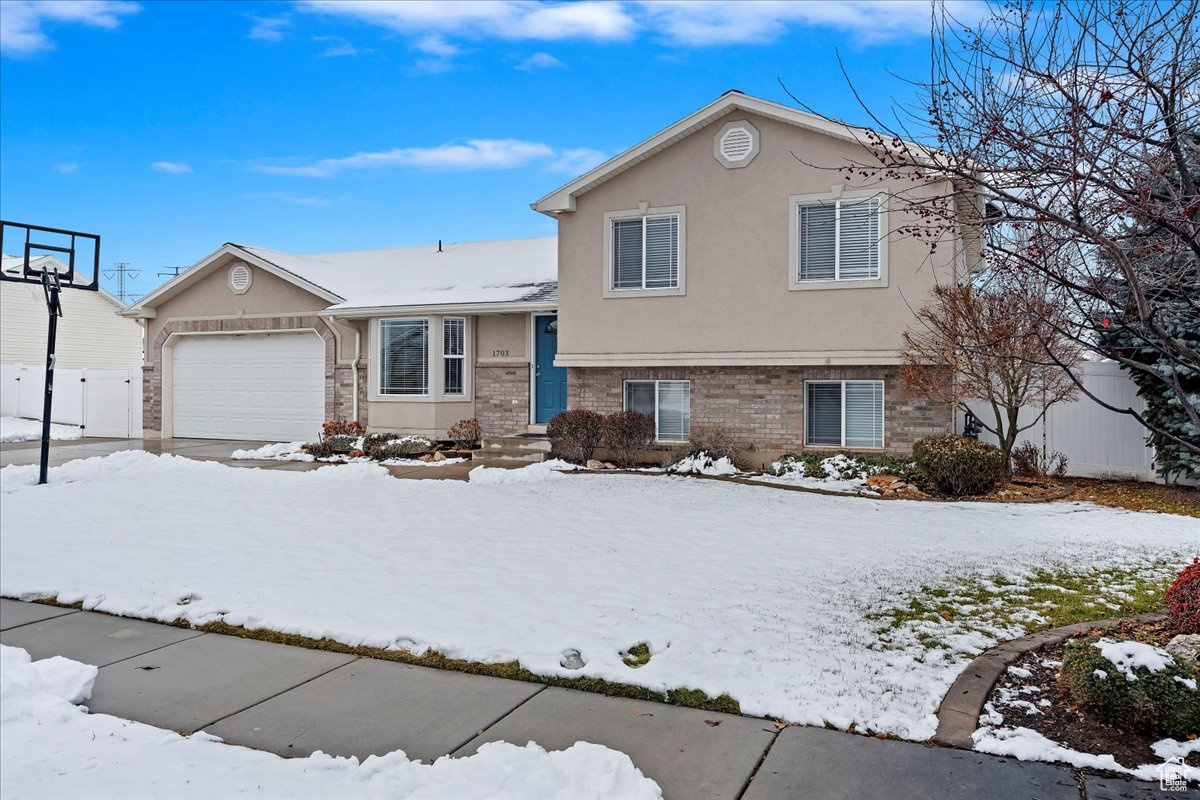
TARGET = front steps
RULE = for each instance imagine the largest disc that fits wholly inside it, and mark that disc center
(530, 447)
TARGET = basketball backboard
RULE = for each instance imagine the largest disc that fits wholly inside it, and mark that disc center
(30, 252)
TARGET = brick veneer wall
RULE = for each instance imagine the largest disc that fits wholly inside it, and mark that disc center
(762, 406)
(497, 386)
(337, 378)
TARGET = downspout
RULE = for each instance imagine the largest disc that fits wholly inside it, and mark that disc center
(354, 373)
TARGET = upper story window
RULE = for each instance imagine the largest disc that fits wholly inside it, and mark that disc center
(404, 357)
(837, 240)
(644, 252)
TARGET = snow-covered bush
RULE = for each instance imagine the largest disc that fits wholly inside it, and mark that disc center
(400, 447)
(1132, 686)
(465, 433)
(575, 434)
(1183, 599)
(342, 443)
(716, 443)
(703, 463)
(957, 465)
(629, 434)
(840, 466)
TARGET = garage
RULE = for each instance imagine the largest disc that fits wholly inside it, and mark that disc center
(268, 387)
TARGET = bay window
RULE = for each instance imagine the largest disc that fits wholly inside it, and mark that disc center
(404, 357)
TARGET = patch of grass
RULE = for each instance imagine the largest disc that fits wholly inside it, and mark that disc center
(1138, 496)
(637, 656)
(692, 698)
(1003, 607)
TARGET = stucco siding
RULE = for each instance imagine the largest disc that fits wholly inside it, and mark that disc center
(736, 261)
(90, 334)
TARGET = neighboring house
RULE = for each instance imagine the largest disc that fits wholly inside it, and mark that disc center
(257, 344)
(707, 276)
(91, 335)
(724, 273)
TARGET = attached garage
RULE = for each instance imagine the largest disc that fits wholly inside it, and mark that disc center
(248, 386)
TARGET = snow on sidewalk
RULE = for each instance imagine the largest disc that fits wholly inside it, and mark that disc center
(19, 429)
(763, 594)
(50, 747)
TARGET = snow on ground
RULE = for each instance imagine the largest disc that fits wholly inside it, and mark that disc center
(19, 429)
(765, 595)
(52, 748)
(1025, 744)
(290, 451)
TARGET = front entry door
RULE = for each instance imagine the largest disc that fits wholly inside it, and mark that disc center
(549, 381)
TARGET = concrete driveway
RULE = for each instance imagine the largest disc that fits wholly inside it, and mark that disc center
(220, 450)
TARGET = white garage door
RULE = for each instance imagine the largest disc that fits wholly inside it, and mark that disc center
(262, 387)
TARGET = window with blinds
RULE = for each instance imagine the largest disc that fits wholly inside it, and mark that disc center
(844, 413)
(404, 356)
(645, 252)
(454, 351)
(669, 402)
(838, 240)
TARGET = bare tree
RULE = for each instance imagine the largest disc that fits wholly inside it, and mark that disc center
(1068, 131)
(999, 347)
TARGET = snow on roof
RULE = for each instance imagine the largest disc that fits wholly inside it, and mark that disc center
(503, 271)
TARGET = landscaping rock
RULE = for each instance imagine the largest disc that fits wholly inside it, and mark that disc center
(882, 482)
(439, 456)
(609, 465)
(426, 458)
(572, 659)
(1186, 647)
(594, 464)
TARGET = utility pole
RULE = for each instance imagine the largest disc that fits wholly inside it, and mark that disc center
(121, 272)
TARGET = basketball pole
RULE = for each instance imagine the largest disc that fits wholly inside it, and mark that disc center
(52, 288)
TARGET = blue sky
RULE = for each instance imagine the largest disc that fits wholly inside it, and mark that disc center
(172, 127)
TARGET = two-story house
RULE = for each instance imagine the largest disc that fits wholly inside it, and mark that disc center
(722, 272)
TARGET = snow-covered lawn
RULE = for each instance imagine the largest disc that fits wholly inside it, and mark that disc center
(773, 597)
(50, 747)
(19, 429)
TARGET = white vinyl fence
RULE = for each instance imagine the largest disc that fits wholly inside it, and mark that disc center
(1098, 442)
(105, 402)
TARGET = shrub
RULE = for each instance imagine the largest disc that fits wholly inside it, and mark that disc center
(575, 434)
(1183, 599)
(373, 441)
(465, 433)
(400, 447)
(341, 443)
(628, 434)
(321, 449)
(1027, 461)
(1163, 703)
(342, 427)
(957, 465)
(717, 443)
(842, 465)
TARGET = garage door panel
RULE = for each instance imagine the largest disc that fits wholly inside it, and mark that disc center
(249, 387)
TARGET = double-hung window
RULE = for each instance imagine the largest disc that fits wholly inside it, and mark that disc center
(454, 355)
(645, 252)
(669, 402)
(838, 240)
(404, 357)
(844, 413)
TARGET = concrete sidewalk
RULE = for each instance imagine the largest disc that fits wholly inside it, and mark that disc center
(219, 450)
(292, 701)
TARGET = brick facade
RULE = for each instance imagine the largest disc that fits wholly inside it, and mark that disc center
(337, 378)
(502, 398)
(763, 406)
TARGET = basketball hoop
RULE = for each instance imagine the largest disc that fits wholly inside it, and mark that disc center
(51, 262)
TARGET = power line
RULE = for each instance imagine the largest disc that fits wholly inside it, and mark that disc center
(122, 273)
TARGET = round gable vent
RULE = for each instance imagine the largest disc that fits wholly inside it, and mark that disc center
(240, 278)
(736, 144)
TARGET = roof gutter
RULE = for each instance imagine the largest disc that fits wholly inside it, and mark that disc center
(365, 312)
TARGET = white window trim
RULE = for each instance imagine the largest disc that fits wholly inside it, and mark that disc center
(656, 382)
(645, 210)
(446, 357)
(435, 390)
(882, 413)
(836, 193)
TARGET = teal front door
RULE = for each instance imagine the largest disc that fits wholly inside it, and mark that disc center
(549, 381)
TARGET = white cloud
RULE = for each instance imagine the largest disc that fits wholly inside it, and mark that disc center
(514, 20)
(270, 29)
(22, 20)
(440, 52)
(539, 61)
(173, 167)
(309, 200)
(474, 154)
(67, 167)
(337, 47)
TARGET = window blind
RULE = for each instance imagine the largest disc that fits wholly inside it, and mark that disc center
(864, 413)
(404, 356)
(453, 351)
(858, 246)
(627, 253)
(818, 242)
(662, 252)
(823, 414)
(639, 396)
(674, 410)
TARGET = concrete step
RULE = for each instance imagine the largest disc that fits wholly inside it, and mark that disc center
(528, 443)
(510, 456)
